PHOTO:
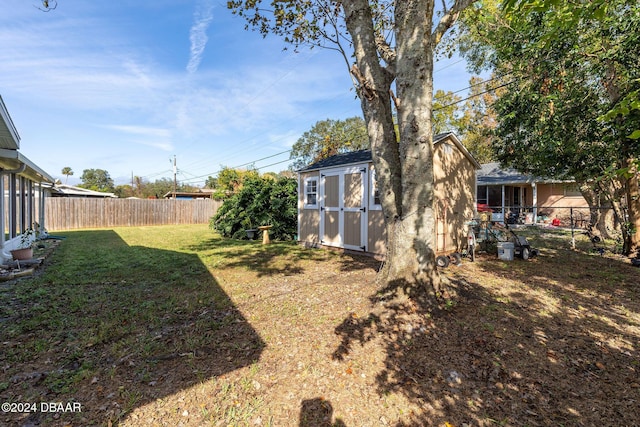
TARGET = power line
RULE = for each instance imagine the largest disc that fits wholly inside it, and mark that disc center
(290, 118)
(435, 109)
(246, 164)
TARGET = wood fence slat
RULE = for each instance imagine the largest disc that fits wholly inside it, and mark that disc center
(69, 213)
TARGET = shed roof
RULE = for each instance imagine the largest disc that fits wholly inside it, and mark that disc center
(361, 156)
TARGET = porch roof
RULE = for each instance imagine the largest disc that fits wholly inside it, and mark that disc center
(494, 174)
(9, 137)
(12, 160)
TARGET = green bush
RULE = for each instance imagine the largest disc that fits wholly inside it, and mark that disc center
(260, 201)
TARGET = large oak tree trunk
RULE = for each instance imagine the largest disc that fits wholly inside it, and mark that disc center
(404, 170)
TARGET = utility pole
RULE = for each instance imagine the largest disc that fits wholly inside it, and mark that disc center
(175, 180)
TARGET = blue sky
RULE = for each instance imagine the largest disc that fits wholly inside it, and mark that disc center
(126, 86)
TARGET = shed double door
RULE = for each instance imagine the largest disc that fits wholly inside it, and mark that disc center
(343, 212)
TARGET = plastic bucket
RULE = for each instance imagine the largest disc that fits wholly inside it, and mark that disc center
(506, 251)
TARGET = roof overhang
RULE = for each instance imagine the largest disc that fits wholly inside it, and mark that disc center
(9, 137)
(12, 160)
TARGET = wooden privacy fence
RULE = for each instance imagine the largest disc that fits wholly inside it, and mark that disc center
(69, 213)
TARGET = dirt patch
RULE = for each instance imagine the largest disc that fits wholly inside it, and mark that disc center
(551, 341)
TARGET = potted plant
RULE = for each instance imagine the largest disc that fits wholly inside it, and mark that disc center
(25, 248)
(251, 232)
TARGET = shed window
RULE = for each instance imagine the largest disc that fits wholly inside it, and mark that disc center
(375, 203)
(311, 193)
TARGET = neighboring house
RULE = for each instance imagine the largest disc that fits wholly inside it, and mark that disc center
(202, 193)
(510, 194)
(64, 190)
(24, 185)
(339, 205)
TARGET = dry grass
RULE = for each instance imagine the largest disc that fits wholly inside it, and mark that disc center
(176, 326)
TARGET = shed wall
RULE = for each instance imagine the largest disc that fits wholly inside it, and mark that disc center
(454, 191)
(308, 218)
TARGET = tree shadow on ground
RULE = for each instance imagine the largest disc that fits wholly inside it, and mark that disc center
(114, 327)
(538, 346)
(285, 258)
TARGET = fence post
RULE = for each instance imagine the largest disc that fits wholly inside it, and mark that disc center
(573, 239)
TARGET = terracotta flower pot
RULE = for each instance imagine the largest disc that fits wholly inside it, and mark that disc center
(22, 254)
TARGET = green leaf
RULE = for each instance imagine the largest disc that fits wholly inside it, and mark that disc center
(634, 135)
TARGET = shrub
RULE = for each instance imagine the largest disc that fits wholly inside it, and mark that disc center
(260, 201)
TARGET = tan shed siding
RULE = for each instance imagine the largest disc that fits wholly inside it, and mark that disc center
(376, 233)
(331, 228)
(455, 180)
(308, 218)
(352, 229)
(352, 193)
(331, 191)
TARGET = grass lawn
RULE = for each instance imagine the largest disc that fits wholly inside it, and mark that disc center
(177, 326)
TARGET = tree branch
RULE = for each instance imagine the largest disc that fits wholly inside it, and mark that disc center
(387, 53)
(448, 19)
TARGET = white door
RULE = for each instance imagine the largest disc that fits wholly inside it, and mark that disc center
(343, 212)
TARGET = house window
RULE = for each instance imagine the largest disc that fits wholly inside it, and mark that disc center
(572, 190)
(311, 193)
(482, 194)
(375, 203)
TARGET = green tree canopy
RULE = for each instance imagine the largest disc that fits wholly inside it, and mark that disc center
(262, 200)
(446, 112)
(142, 188)
(230, 181)
(479, 117)
(96, 180)
(329, 137)
(67, 171)
(570, 65)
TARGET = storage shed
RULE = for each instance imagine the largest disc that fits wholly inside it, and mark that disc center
(339, 205)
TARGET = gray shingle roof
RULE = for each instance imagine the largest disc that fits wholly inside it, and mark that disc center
(342, 159)
(492, 174)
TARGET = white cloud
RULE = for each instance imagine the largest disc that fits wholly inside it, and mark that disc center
(153, 137)
(142, 130)
(198, 35)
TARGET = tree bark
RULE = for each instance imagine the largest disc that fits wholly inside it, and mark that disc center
(630, 179)
(632, 245)
(404, 169)
(601, 215)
